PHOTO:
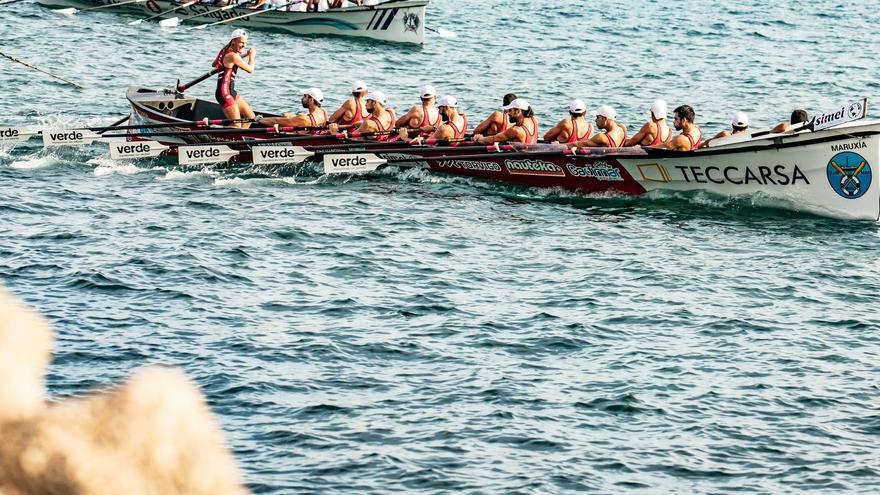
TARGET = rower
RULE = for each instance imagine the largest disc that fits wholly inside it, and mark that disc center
(497, 122)
(690, 136)
(524, 129)
(614, 135)
(798, 118)
(572, 128)
(739, 125)
(353, 111)
(316, 116)
(380, 119)
(655, 131)
(454, 126)
(424, 117)
(229, 61)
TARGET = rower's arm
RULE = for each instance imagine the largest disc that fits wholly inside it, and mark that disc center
(598, 141)
(410, 119)
(554, 133)
(640, 136)
(346, 111)
(484, 125)
(443, 132)
(514, 134)
(247, 67)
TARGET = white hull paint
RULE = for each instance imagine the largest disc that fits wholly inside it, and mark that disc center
(400, 21)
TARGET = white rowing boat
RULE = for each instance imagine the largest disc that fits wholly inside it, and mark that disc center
(401, 21)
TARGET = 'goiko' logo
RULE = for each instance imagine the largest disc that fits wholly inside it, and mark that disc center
(849, 174)
(411, 22)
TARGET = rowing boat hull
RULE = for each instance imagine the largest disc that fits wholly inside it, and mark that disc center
(397, 21)
(829, 173)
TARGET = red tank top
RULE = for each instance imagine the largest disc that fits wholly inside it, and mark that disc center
(694, 143)
(657, 140)
(575, 137)
(382, 127)
(611, 143)
(358, 115)
(531, 137)
(426, 122)
(315, 121)
(504, 124)
(226, 73)
(456, 132)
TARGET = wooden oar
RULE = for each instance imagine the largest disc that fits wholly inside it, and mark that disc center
(175, 21)
(22, 62)
(243, 16)
(220, 131)
(160, 14)
(72, 11)
(183, 87)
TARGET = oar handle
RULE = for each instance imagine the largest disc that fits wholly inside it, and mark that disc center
(183, 87)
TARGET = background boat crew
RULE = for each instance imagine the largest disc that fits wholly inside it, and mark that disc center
(497, 122)
(312, 99)
(425, 116)
(453, 125)
(690, 136)
(523, 128)
(380, 119)
(797, 117)
(572, 128)
(614, 135)
(353, 110)
(234, 106)
(655, 131)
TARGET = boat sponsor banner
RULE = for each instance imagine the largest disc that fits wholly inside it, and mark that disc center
(136, 149)
(196, 155)
(847, 113)
(602, 171)
(470, 165)
(534, 167)
(763, 175)
(15, 134)
(68, 137)
(351, 163)
(269, 155)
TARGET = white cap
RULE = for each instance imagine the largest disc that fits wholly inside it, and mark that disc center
(377, 96)
(238, 33)
(740, 119)
(427, 91)
(315, 93)
(606, 112)
(577, 106)
(358, 86)
(519, 103)
(447, 101)
(659, 110)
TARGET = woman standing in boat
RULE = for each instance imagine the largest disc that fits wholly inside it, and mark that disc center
(229, 61)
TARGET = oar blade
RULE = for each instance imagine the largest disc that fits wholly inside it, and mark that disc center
(359, 163)
(68, 137)
(135, 22)
(170, 23)
(70, 11)
(445, 33)
(272, 155)
(15, 134)
(136, 149)
(205, 154)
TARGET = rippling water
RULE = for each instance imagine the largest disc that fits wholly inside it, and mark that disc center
(412, 332)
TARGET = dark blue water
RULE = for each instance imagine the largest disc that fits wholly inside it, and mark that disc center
(418, 333)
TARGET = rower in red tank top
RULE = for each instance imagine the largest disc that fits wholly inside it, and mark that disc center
(572, 128)
(312, 100)
(524, 128)
(614, 135)
(453, 127)
(654, 132)
(425, 116)
(690, 136)
(229, 61)
(380, 119)
(497, 123)
(353, 110)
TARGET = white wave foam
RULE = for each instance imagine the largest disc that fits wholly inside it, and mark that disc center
(196, 175)
(36, 162)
